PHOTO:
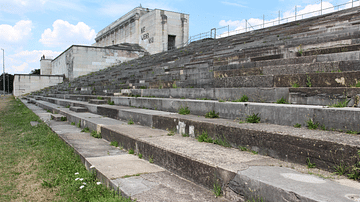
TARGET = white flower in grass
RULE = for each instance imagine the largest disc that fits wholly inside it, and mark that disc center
(84, 183)
(82, 186)
(98, 183)
(76, 173)
(81, 179)
(77, 179)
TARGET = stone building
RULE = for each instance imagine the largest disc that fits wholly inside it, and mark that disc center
(155, 30)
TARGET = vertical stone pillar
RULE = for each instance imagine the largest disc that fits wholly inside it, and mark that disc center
(164, 31)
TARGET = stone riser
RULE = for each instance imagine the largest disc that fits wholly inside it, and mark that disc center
(294, 148)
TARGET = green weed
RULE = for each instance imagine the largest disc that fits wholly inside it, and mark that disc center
(254, 118)
(86, 130)
(244, 98)
(212, 115)
(72, 123)
(204, 138)
(295, 85)
(63, 118)
(151, 159)
(298, 125)
(131, 151)
(130, 122)
(217, 189)
(110, 102)
(95, 134)
(343, 103)
(309, 164)
(184, 110)
(311, 125)
(140, 155)
(242, 148)
(114, 143)
(308, 81)
(282, 100)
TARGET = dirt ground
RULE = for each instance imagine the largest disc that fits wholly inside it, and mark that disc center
(21, 182)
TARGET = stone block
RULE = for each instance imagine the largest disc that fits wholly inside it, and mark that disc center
(97, 101)
(58, 117)
(78, 109)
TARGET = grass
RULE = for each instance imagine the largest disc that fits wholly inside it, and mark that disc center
(35, 162)
(254, 118)
(243, 148)
(298, 125)
(212, 115)
(110, 102)
(185, 135)
(72, 123)
(308, 81)
(100, 98)
(244, 98)
(86, 130)
(222, 141)
(282, 100)
(130, 122)
(95, 134)
(63, 118)
(311, 125)
(140, 155)
(221, 100)
(184, 110)
(151, 159)
(114, 143)
(339, 104)
(79, 124)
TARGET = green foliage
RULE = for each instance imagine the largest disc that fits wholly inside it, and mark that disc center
(357, 85)
(95, 134)
(254, 118)
(72, 123)
(79, 124)
(204, 138)
(221, 100)
(114, 143)
(282, 100)
(143, 87)
(67, 106)
(309, 164)
(217, 189)
(254, 152)
(212, 115)
(352, 132)
(243, 148)
(174, 85)
(311, 125)
(86, 130)
(244, 98)
(151, 159)
(110, 102)
(131, 151)
(340, 169)
(222, 141)
(171, 132)
(130, 122)
(49, 111)
(298, 125)
(185, 135)
(63, 118)
(140, 155)
(340, 104)
(53, 162)
(184, 110)
(308, 81)
(100, 98)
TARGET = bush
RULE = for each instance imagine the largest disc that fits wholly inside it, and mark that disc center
(204, 138)
(311, 125)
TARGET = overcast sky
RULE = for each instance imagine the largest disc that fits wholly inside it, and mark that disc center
(32, 28)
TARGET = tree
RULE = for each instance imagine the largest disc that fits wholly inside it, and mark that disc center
(35, 71)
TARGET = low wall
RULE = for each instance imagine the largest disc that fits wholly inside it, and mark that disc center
(25, 83)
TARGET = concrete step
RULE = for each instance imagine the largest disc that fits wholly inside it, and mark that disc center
(97, 101)
(78, 109)
(114, 167)
(241, 174)
(58, 117)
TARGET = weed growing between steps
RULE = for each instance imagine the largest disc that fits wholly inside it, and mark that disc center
(212, 115)
(114, 143)
(343, 103)
(130, 122)
(244, 98)
(282, 100)
(309, 164)
(110, 102)
(298, 125)
(311, 125)
(85, 130)
(220, 141)
(184, 110)
(254, 118)
(35, 164)
(95, 134)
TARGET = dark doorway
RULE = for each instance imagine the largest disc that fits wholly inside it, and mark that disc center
(171, 42)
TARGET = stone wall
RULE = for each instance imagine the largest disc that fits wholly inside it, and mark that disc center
(25, 83)
(149, 28)
(81, 60)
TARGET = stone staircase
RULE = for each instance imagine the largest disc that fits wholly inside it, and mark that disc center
(312, 64)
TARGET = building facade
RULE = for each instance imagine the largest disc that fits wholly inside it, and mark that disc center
(155, 30)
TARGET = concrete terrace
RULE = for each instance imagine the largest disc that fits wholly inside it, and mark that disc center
(312, 64)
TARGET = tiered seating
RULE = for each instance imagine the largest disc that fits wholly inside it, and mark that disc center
(310, 63)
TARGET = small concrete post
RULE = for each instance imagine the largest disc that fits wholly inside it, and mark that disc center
(228, 31)
(245, 25)
(295, 12)
(263, 21)
(321, 7)
(279, 17)
(352, 3)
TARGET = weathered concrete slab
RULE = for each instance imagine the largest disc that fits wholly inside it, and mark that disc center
(78, 109)
(57, 117)
(97, 101)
